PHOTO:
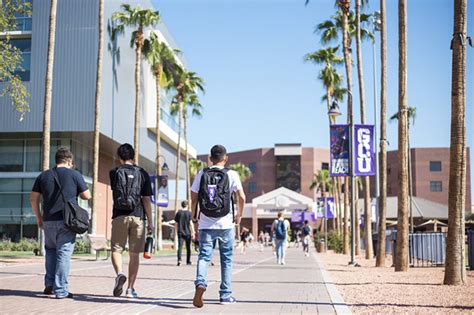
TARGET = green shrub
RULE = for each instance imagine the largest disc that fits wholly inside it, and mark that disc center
(81, 247)
(335, 242)
(25, 245)
(5, 245)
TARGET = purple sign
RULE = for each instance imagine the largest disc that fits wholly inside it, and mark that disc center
(296, 217)
(330, 207)
(339, 150)
(364, 159)
(160, 196)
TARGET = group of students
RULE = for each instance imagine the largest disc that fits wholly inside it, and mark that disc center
(132, 220)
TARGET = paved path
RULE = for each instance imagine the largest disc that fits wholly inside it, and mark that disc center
(259, 284)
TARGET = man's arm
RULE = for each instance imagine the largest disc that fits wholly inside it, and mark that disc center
(85, 195)
(147, 205)
(35, 205)
(241, 204)
(194, 205)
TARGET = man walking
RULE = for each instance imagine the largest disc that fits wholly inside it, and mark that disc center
(131, 189)
(212, 189)
(58, 240)
(306, 231)
(185, 228)
(280, 229)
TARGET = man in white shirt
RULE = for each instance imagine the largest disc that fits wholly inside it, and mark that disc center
(212, 190)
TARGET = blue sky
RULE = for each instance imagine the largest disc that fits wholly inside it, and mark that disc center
(259, 91)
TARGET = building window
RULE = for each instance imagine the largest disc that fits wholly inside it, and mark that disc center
(11, 155)
(325, 166)
(253, 167)
(288, 172)
(23, 20)
(253, 187)
(435, 166)
(23, 69)
(436, 186)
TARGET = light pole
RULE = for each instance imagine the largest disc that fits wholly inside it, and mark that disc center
(333, 113)
(158, 211)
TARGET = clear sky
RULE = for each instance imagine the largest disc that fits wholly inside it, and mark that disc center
(259, 91)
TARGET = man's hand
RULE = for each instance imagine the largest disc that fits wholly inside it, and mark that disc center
(238, 218)
(39, 221)
(150, 227)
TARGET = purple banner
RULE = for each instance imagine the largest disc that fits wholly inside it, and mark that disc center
(364, 158)
(160, 195)
(339, 150)
(330, 207)
(296, 217)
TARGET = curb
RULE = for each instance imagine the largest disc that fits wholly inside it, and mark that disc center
(340, 307)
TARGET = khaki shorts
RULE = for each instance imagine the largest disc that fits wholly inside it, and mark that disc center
(131, 228)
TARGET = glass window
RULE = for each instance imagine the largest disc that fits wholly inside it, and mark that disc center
(435, 166)
(24, 45)
(10, 185)
(10, 208)
(325, 166)
(33, 156)
(253, 187)
(11, 155)
(436, 186)
(288, 172)
(253, 167)
(23, 21)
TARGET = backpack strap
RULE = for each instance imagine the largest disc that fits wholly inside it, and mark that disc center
(56, 180)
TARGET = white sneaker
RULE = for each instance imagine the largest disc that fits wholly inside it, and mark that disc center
(283, 262)
(131, 293)
(278, 262)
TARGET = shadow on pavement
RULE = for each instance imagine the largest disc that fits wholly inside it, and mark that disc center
(460, 307)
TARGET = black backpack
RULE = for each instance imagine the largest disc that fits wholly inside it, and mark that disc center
(214, 195)
(306, 230)
(127, 187)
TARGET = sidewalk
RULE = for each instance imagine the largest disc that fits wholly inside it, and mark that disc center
(259, 284)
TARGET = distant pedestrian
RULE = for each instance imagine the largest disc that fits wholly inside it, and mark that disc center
(58, 239)
(261, 240)
(131, 188)
(212, 189)
(307, 232)
(244, 239)
(280, 229)
(184, 227)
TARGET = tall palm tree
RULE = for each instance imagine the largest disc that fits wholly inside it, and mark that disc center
(365, 179)
(241, 169)
(139, 18)
(322, 182)
(195, 166)
(455, 271)
(163, 65)
(381, 253)
(95, 167)
(401, 258)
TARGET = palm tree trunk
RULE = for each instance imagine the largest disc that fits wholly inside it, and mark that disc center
(159, 210)
(357, 217)
(178, 158)
(95, 167)
(188, 178)
(365, 179)
(455, 270)
(381, 253)
(401, 258)
(345, 6)
(47, 100)
(138, 58)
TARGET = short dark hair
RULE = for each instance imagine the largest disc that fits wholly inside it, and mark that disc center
(126, 152)
(184, 204)
(63, 155)
(305, 221)
(218, 153)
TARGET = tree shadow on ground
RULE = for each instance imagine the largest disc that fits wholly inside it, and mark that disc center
(446, 307)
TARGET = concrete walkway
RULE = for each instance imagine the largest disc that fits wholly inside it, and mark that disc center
(259, 284)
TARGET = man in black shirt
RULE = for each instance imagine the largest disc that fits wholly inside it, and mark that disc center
(185, 228)
(131, 189)
(59, 240)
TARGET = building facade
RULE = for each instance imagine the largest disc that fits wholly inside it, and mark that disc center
(73, 103)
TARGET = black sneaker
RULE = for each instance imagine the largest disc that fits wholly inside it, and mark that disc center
(189, 263)
(48, 290)
(68, 296)
(119, 282)
(178, 264)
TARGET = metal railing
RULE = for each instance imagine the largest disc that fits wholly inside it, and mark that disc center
(427, 249)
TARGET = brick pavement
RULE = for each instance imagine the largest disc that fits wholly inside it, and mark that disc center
(259, 284)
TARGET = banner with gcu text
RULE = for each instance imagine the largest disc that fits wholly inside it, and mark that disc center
(364, 158)
(339, 150)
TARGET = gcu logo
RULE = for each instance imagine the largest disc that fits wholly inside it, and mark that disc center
(363, 150)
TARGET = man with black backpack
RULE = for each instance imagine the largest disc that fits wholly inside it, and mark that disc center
(58, 239)
(131, 189)
(306, 237)
(280, 229)
(212, 189)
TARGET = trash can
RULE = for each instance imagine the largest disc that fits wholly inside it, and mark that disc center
(321, 248)
(470, 248)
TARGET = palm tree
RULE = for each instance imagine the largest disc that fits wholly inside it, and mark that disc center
(455, 271)
(365, 179)
(401, 258)
(163, 65)
(241, 169)
(381, 253)
(140, 18)
(95, 176)
(195, 166)
(322, 182)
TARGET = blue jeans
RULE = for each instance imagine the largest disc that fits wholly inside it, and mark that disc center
(206, 250)
(59, 244)
(280, 249)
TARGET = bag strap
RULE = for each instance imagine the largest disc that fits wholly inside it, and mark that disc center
(56, 180)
